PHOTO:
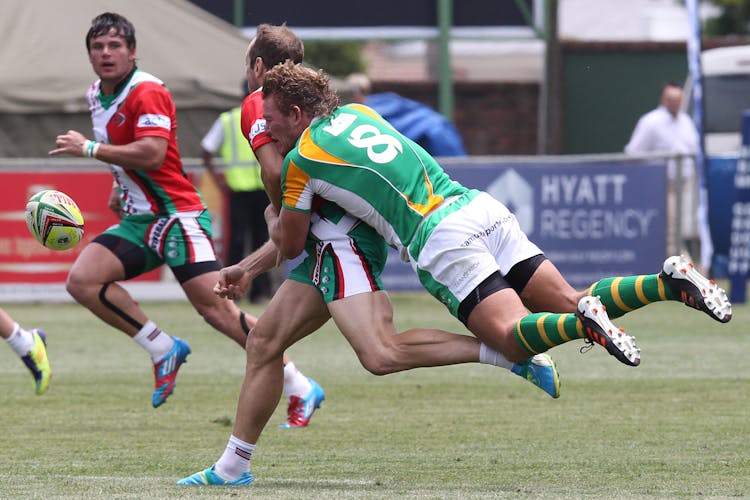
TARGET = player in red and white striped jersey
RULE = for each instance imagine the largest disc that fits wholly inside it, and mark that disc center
(163, 217)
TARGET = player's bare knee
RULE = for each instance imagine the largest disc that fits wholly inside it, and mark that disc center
(211, 317)
(380, 360)
(374, 366)
(219, 318)
(262, 348)
(78, 288)
(72, 288)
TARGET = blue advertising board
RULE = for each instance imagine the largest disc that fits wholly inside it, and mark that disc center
(721, 201)
(739, 249)
(591, 219)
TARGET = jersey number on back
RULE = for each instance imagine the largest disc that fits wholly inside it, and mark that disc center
(366, 137)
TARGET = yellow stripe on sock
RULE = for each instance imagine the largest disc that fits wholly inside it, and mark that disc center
(579, 329)
(615, 291)
(520, 336)
(542, 332)
(660, 289)
(561, 328)
(639, 290)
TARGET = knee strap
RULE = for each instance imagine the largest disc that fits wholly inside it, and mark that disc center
(243, 323)
(109, 305)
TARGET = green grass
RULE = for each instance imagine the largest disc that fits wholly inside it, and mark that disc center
(678, 426)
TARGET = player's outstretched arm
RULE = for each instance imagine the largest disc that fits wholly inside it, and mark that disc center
(145, 153)
(234, 281)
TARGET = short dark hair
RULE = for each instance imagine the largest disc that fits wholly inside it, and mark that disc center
(103, 23)
(275, 44)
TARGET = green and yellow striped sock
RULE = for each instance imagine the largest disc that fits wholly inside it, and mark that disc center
(539, 332)
(622, 295)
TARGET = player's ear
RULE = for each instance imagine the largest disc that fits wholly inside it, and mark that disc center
(259, 67)
(296, 114)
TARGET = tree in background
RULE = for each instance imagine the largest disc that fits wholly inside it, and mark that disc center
(734, 19)
(336, 58)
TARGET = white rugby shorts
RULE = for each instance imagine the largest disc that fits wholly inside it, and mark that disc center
(469, 245)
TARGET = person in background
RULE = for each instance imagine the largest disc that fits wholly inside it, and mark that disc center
(668, 129)
(163, 217)
(415, 120)
(240, 182)
(31, 347)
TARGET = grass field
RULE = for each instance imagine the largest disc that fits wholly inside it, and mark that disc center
(678, 426)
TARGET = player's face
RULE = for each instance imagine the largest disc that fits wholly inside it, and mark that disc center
(280, 126)
(111, 59)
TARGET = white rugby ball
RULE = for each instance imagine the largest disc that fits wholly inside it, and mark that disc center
(54, 219)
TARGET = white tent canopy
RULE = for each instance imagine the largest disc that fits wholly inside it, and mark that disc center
(45, 67)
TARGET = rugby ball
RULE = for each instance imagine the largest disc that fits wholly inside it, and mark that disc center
(54, 219)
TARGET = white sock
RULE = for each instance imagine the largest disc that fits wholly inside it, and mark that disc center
(154, 341)
(295, 383)
(21, 341)
(489, 356)
(235, 459)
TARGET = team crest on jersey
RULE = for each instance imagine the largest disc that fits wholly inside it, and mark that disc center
(258, 127)
(150, 120)
(118, 119)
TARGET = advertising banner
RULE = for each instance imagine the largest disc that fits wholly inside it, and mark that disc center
(739, 242)
(591, 219)
(22, 258)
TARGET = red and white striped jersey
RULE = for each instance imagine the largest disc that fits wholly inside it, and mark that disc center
(144, 108)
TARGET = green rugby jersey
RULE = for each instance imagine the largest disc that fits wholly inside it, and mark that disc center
(359, 161)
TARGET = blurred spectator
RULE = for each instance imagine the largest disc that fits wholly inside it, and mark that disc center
(668, 129)
(418, 122)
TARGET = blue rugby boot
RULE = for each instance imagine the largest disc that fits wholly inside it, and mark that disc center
(541, 371)
(210, 477)
(165, 371)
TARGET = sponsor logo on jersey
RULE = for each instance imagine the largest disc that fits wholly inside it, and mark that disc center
(259, 126)
(160, 121)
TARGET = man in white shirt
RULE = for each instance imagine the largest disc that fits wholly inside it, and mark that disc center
(667, 129)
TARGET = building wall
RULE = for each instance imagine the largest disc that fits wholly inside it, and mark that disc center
(607, 86)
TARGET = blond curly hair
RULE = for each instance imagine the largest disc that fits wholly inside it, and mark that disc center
(297, 85)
